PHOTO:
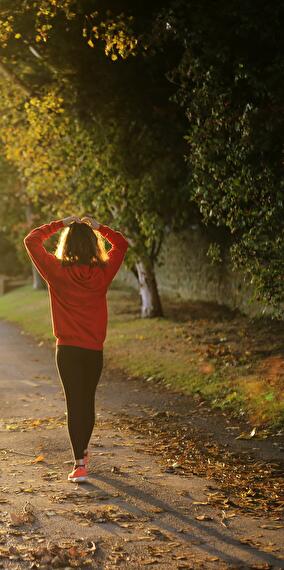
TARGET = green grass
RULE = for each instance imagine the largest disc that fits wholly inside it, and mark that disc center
(30, 309)
(158, 349)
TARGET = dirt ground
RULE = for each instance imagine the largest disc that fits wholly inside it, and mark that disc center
(172, 484)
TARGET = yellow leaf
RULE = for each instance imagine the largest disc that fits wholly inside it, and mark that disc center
(91, 44)
(38, 459)
(18, 36)
(35, 422)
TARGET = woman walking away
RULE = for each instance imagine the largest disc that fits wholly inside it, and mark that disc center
(78, 277)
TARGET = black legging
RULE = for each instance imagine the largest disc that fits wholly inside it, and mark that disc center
(79, 371)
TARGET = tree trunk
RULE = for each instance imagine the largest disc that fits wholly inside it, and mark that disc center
(38, 281)
(150, 299)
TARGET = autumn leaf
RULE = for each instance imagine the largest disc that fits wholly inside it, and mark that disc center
(38, 459)
(203, 518)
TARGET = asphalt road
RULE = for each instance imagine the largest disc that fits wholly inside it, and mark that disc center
(134, 512)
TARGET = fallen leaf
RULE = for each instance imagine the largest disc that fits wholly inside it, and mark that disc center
(244, 435)
(272, 526)
(38, 459)
(270, 548)
(93, 547)
(17, 518)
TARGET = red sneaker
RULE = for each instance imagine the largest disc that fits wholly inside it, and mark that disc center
(78, 475)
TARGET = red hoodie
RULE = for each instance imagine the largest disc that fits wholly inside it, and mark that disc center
(77, 293)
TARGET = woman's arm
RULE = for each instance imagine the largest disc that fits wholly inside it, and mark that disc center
(45, 262)
(118, 250)
(116, 253)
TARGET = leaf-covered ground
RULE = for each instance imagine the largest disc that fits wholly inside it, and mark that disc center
(236, 363)
(173, 484)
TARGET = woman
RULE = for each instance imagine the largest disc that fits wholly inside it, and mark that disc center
(78, 277)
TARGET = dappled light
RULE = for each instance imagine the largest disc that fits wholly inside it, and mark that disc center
(141, 285)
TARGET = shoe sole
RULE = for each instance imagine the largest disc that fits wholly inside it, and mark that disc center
(77, 479)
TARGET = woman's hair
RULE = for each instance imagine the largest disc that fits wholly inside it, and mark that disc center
(80, 244)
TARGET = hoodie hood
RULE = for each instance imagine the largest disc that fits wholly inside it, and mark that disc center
(86, 276)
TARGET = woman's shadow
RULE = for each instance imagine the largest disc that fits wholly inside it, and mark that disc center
(204, 536)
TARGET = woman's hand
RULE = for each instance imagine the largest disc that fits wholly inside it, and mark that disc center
(67, 221)
(91, 221)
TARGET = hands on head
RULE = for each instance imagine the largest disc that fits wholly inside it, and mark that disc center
(84, 220)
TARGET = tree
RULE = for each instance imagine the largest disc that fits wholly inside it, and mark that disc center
(124, 138)
(229, 82)
(226, 67)
(12, 221)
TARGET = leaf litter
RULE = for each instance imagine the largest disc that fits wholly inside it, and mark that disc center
(27, 424)
(110, 514)
(52, 555)
(26, 515)
(245, 484)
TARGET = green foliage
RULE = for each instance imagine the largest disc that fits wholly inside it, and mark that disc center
(214, 253)
(104, 130)
(230, 76)
(47, 147)
(85, 134)
(12, 220)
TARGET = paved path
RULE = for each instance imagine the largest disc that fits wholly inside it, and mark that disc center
(134, 512)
